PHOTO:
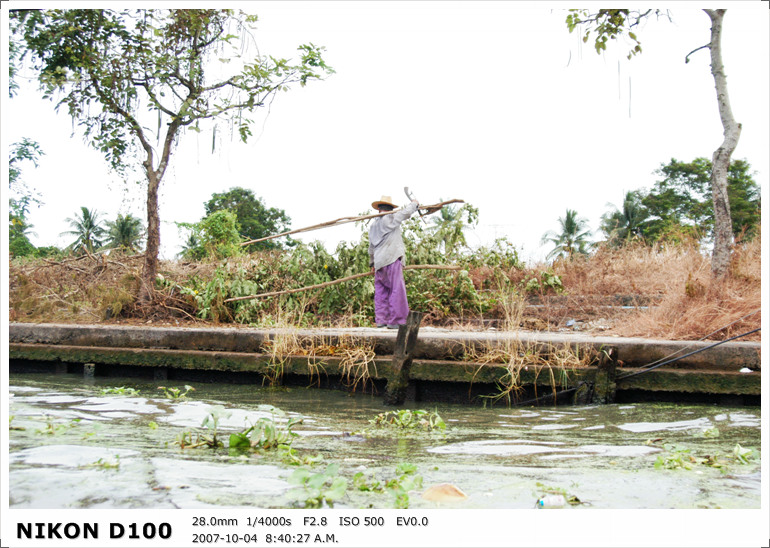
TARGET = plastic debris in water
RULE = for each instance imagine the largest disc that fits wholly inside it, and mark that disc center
(746, 370)
(551, 501)
(444, 492)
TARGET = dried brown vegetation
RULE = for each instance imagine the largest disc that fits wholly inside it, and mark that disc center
(660, 292)
(673, 288)
(693, 306)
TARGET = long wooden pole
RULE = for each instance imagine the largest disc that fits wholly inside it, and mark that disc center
(343, 220)
(333, 282)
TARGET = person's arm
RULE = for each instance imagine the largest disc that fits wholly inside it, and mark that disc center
(400, 215)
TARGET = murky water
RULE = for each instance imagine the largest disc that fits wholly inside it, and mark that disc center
(74, 446)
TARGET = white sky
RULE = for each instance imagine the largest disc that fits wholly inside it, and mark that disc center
(494, 103)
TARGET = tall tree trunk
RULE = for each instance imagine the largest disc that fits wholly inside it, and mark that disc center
(154, 177)
(150, 270)
(723, 226)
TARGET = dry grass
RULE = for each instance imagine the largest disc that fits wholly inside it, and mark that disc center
(86, 289)
(356, 356)
(633, 270)
(670, 286)
(517, 356)
(694, 306)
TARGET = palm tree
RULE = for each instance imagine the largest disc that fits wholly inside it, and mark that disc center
(449, 226)
(125, 232)
(87, 230)
(192, 249)
(19, 229)
(572, 239)
(623, 225)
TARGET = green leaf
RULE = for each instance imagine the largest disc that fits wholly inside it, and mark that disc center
(299, 476)
(406, 468)
(337, 490)
(332, 470)
(239, 441)
(316, 481)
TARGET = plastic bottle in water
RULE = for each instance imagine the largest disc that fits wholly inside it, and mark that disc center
(551, 501)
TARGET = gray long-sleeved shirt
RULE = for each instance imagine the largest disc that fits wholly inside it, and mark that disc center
(385, 243)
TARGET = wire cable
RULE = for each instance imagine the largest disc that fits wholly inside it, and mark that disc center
(653, 365)
(635, 373)
(683, 349)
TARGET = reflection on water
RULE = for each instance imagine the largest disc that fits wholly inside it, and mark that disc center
(71, 446)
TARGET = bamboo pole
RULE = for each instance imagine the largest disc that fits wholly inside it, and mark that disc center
(333, 282)
(343, 220)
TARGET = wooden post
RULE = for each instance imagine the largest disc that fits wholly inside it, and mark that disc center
(395, 391)
(604, 387)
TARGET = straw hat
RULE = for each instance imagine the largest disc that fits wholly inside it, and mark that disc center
(385, 200)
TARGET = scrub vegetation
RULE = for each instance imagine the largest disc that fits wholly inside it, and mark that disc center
(662, 290)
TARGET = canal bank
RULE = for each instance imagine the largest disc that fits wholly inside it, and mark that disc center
(444, 365)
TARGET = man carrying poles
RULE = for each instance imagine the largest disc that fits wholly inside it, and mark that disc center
(386, 257)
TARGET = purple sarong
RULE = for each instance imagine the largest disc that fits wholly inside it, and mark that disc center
(390, 304)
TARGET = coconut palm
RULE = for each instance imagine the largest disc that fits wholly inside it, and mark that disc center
(192, 249)
(450, 224)
(87, 229)
(572, 239)
(623, 225)
(125, 232)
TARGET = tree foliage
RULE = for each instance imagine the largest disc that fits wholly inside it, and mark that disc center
(255, 219)
(88, 231)
(572, 237)
(216, 236)
(21, 197)
(125, 232)
(134, 78)
(449, 226)
(683, 199)
(622, 225)
(19, 230)
(608, 24)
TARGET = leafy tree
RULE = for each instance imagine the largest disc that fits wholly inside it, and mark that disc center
(745, 200)
(608, 24)
(682, 200)
(49, 251)
(449, 227)
(87, 229)
(192, 250)
(19, 230)
(216, 235)
(125, 232)
(572, 239)
(220, 234)
(625, 224)
(255, 219)
(117, 71)
(21, 197)
(26, 150)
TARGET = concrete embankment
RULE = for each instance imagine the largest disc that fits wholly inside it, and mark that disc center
(442, 366)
